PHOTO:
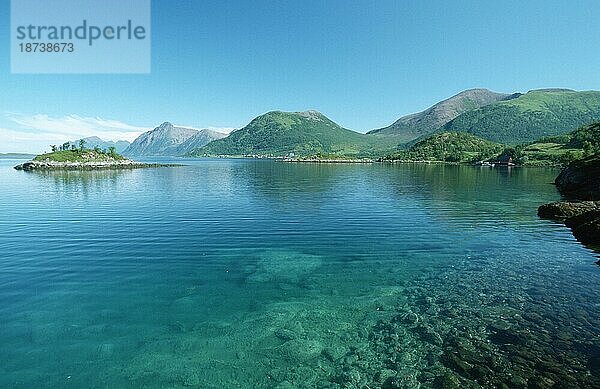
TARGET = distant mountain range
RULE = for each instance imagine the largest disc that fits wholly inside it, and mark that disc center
(94, 141)
(168, 140)
(420, 124)
(308, 133)
(16, 156)
(503, 118)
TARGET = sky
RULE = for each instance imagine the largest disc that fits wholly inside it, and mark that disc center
(364, 64)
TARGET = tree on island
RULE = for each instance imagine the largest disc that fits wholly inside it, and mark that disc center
(82, 143)
(65, 146)
(53, 148)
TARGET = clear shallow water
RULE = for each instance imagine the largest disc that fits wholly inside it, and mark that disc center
(236, 273)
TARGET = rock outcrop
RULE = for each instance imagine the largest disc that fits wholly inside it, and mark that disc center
(564, 210)
(581, 179)
(54, 165)
(579, 184)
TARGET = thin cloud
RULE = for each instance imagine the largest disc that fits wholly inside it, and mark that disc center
(73, 126)
(33, 133)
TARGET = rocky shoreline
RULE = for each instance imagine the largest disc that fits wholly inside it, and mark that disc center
(115, 164)
(579, 184)
(322, 160)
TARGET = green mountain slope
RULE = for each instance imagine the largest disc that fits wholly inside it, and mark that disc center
(529, 117)
(450, 147)
(424, 123)
(307, 133)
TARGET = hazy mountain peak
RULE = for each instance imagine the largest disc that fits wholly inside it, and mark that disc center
(168, 140)
(311, 114)
(165, 126)
(94, 141)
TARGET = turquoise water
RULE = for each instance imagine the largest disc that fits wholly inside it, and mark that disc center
(258, 274)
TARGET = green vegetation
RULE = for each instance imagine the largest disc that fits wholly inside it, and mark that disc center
(532, 116)
(449, 147)
(422, 124)
(298, 134)
(69, 153)
(559, 150)
(535, 125)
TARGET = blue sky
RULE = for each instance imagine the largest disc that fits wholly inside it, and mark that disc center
(362, 63)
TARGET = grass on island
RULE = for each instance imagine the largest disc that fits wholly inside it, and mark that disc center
(81, 155)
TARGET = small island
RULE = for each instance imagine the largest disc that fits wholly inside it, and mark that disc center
(70, 157)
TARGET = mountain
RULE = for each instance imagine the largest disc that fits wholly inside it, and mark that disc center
(536, 114)
(200, 139)
(94, 141)
(16, 156)
(308, 133)
(168, 140)
(450, 147)
(423, 123)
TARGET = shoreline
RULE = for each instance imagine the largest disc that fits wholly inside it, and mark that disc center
(100, 165)
(370, 161)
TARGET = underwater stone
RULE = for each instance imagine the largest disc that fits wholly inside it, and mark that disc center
(449, 381)
(105, 350)
(335, 352)
(285, 334)
(300, 350)
(191, 379)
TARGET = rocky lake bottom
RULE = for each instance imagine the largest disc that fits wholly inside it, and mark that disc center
(234, 274)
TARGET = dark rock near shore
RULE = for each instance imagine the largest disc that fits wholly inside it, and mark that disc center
(581, 179)
(580, 184)
(563, 210)
(583, 218)
(586, 227)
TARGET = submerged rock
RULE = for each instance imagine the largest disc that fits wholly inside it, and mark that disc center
(299, 351)
(283, 266)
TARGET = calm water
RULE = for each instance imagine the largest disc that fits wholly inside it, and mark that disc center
(256, 274)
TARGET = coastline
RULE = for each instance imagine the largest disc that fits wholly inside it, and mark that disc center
(99, 165)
